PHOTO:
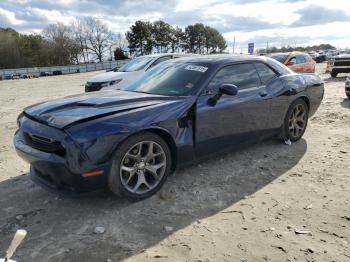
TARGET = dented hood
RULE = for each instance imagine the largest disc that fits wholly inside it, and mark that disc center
(80, 108)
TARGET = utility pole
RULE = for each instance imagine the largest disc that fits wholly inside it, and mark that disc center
(234, 43)
(267, 47)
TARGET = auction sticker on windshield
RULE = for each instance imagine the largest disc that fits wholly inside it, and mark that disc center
(201, 69)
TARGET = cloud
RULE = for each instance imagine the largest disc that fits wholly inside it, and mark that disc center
(317, 15)
(8, 18)
(265, 20)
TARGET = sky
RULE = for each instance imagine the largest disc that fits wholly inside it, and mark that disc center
(272, 22)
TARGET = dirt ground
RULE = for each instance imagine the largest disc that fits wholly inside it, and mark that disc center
(267, 202)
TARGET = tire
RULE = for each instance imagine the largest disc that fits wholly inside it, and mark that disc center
(348, 95)
(292, 128)
(135, 173)
(334, 74)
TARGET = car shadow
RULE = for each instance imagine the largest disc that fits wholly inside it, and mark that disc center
(61, 229)
(345, 103)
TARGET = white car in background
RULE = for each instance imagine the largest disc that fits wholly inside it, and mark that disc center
(128, 73)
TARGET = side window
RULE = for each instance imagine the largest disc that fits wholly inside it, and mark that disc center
(242, 75)
(300, 59)
(161, 59)
(308, 58)
(266, 73)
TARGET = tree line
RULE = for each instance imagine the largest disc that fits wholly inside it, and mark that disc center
(83, 41)
(90, 40)
(145, 37)
(289, 48)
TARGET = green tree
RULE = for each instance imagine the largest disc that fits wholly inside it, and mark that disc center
(34, 51)
(177, 39)
(161, 36)
(204, 39)
(139, 38)
(195, 38)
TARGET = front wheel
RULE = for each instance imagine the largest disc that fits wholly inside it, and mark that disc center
(296, 120)
(140, 166)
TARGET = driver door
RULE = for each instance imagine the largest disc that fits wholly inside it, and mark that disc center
(233, 119)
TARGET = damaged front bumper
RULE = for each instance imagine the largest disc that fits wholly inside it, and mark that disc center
(56, 163)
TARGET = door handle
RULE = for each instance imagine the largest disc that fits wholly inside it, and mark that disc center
(263, 93)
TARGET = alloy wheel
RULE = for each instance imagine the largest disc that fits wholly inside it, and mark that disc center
(297, 121)
(143, 167)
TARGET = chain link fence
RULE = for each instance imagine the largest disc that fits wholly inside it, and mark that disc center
(69, 69)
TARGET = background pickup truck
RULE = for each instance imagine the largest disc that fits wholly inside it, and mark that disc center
(339, 64)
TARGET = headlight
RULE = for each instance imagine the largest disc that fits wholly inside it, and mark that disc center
(110, 83)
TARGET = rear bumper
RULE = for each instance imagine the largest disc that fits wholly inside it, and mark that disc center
(54, 172)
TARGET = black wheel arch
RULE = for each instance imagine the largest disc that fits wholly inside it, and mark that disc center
(306, 100)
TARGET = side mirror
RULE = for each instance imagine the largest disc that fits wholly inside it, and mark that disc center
(228, 89)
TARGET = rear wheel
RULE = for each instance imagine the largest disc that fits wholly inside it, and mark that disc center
(295, 121)
(140, 166)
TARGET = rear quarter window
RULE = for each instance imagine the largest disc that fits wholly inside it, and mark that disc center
(266, 74)
(280, 68)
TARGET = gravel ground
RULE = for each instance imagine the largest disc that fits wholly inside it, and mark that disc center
(267, 202)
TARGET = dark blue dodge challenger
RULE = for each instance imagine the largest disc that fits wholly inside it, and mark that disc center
(178, 112)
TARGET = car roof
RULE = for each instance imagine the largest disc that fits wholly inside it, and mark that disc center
(165, 54)
(288, 53)
(218, 59)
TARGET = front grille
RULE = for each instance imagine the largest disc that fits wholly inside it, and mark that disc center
(342, 63)
(93, 86)
(44, 144)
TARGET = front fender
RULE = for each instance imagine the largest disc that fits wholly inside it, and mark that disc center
(100, 137)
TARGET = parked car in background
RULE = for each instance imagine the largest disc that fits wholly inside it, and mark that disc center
(313, 54)
(320, 58)
(7, 77)
(178, 112)
(347, 86)
(16, 76)
(297, 61)
(338, 64)
(57, 72)
(317, 57)
(45, 73)
(121, 77)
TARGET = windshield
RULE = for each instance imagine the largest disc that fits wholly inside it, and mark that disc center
(279, 58)
(172, 79)
(136, 64)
